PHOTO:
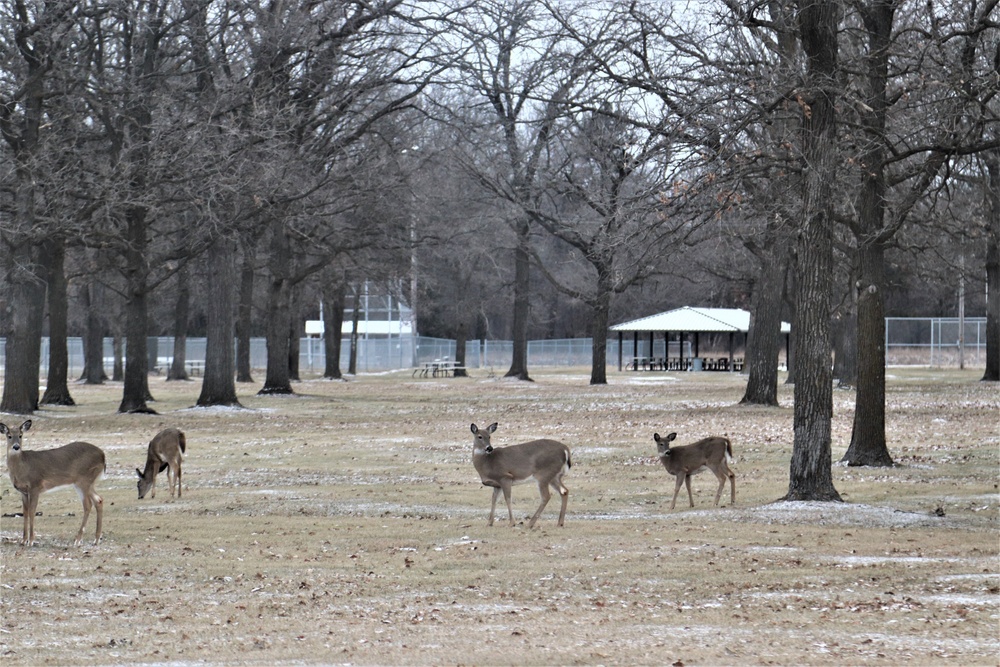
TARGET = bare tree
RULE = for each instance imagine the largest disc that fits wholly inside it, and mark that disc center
(517, 71)
(811, 477)
(888, 161)
(992, 191)
(31, 41)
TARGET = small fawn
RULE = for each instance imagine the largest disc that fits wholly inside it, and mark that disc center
(687, 460)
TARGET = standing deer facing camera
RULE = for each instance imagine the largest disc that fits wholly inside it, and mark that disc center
(165, 451)
(545, 461)
(34, 472)
(707, 454)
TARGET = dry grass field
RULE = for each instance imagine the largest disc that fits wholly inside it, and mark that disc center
(346, 525)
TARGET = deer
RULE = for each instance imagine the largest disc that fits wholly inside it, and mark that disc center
(164, 452)
(545, 461)
(32, 473)
(688, 460)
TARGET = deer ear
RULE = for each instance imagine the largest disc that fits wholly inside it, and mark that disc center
(475, 429)
(26, 425)
(163, 467)
(671, 437)
(139, 473)
(4, 429)
(493, 427)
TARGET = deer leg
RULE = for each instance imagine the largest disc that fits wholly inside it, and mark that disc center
(505, 485)
(679, 479)
(170, 479)
(687, 481)
(564, 494)
(99, 506)
(543, 490)
(29, 504)
(177, 476)
(721, 475)
(493, 506)
(87, 504)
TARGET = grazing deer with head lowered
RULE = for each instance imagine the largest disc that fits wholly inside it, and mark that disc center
(545, 461)
(34, 472)
(165, 452)
(687, 460)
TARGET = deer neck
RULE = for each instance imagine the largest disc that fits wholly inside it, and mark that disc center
(20, 471)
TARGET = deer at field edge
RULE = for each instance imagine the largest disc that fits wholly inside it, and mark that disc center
(32, 473)
(688, 460)
(545, 461)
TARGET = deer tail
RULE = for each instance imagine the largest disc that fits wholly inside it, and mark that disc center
(182, 441)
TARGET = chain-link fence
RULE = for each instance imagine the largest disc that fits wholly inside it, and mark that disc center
(935, 341)
(909, 341)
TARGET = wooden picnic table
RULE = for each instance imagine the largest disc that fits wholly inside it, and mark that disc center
(438, 367)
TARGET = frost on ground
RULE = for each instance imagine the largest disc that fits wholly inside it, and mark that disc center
(840, 514)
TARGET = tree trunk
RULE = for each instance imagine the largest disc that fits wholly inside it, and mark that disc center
(868, 446)
(845, 362)
(294, 327)
(764, 337)
(460, 344)
(334, 303)
(178, 367)
(599, 331)
(244, 316)
(23, 352)
(93, 335)
(992, 373)
(118, 365)
(57, 387)
(277, 380)
(811, 477)
(352, 363)
(136, 388)
(24, 341)
(218, 386)
(522, 304)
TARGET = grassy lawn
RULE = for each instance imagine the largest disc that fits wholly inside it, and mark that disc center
(346, 525)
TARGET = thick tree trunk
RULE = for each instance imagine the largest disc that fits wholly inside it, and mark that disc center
(93, 335)
(868, 445)
(992, 373)
(601, 313)
(57, 387)
(764, 338)
(811, 477)
(522, 304)
(277, 380)
(178, 367)
(118, 365)
(845, 362)
(460, 344)
(244, 315)
(24, 341)
(334, 303)
(218, 386)
(136, 389)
